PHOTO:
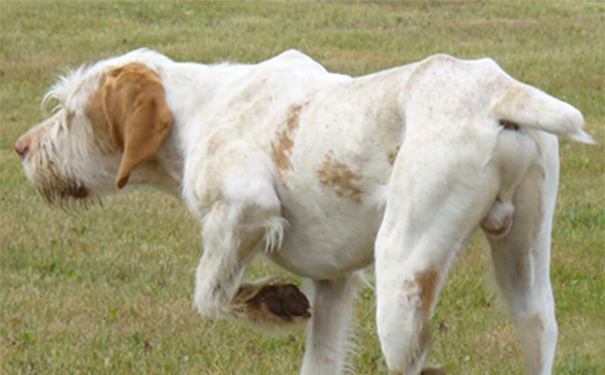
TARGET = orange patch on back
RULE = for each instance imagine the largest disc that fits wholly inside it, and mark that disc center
(281, 148)
(339, 176)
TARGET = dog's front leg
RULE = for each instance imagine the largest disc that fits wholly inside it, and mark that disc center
(227, 251)
(234, 230)
(327, 331)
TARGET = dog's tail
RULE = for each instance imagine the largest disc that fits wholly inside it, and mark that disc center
(527, 106)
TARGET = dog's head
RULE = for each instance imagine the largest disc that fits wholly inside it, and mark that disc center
(110, 119)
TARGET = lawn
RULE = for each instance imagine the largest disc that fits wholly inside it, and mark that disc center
(108, 290)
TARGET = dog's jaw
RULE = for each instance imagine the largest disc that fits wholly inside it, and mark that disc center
(51, 178)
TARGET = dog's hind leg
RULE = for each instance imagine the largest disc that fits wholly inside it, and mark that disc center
(432, 210)
(521, 263)
(327, 331)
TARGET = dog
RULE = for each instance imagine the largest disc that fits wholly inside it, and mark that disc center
(324, 174)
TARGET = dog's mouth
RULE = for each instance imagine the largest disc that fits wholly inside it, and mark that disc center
(64, 193)
(77, 192)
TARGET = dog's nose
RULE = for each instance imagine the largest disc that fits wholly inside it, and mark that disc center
(22, 146)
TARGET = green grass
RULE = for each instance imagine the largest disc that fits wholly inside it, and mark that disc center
(108, 290)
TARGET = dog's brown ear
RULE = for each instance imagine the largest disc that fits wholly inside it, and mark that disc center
(139, 119)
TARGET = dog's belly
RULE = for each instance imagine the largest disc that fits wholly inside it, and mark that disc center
(329, 240)
(342, 144)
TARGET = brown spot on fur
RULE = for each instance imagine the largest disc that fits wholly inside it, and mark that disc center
(339, 176)
(293, 117)
(393, 155)
(427, 282)
(281, 148)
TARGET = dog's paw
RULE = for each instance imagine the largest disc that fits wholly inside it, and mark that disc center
(433, 370)
(286, 302)
(272, 305)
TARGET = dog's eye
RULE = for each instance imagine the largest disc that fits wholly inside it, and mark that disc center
(508, 125)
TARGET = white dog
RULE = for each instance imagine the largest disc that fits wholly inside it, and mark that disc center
(323, 174)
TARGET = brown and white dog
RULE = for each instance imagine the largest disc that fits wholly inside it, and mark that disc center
(324, 174)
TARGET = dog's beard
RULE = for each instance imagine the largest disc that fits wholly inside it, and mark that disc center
(56, 185)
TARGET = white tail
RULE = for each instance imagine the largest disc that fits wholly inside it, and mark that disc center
(532, 108)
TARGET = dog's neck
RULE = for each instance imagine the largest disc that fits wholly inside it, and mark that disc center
(163, 171)
(190, 89)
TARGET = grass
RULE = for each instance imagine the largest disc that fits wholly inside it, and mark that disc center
(108, 290)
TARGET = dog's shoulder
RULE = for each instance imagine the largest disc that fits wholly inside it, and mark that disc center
(291, 68)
